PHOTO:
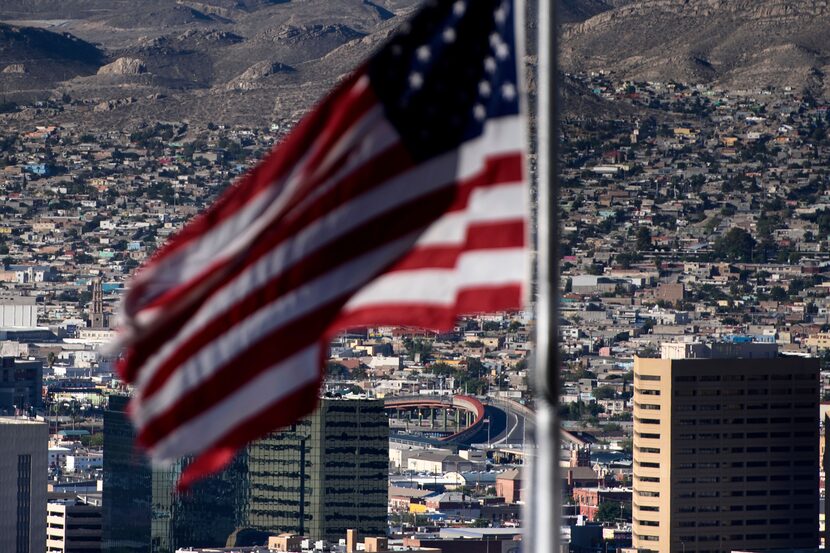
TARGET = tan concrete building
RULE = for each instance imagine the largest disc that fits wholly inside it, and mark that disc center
(725, 454)
(72, 526)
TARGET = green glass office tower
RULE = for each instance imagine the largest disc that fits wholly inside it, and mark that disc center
(324, 475)
(321, 476)
(141, 512)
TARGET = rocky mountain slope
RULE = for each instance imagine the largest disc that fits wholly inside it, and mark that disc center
(736, 43)
(34, 61)
(219, 60)
(257, 61)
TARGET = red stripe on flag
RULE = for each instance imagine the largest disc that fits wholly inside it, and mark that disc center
(499, 169)
(509, 234)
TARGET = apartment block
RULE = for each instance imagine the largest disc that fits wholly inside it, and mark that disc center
(725, 454)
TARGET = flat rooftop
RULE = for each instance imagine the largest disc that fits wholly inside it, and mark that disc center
(19, 420)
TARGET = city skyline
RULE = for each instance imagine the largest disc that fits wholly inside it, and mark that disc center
(692, 323)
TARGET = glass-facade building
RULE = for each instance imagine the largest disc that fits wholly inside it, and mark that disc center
(319, 477)
(323, 475)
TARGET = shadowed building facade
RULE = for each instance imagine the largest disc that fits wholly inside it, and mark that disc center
(725, 454)
(23, 472)
(325, 474)
(141, 512)
(319, 477)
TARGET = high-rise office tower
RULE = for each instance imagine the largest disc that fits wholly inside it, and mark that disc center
(141, 512)
(323, 475)
(23, 472)
(725, 452)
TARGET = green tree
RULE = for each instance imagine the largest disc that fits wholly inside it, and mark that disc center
(604, 392)
(613, 511)
(337, 370)
(626, 259)
(441, 369)
(735, 245)
(643, 239)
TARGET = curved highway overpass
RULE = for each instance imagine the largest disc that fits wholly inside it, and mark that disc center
(473, 409)
(497, 422)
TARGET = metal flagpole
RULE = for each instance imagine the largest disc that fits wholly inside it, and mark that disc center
(545, 488)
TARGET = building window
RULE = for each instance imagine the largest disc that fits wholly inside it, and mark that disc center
(24, 501)
(648, 523)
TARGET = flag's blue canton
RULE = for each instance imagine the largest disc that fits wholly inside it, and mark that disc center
(447, 71)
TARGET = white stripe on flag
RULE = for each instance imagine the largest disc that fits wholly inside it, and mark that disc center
(440, 287)
(491, 204)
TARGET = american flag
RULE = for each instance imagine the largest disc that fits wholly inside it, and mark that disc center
(400, 199)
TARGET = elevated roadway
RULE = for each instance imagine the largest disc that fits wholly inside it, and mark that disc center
(499, 422)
